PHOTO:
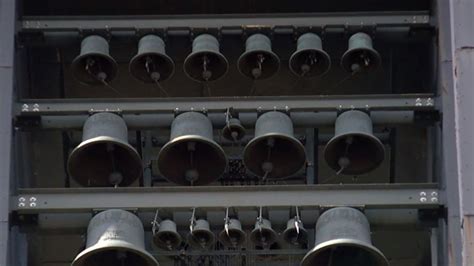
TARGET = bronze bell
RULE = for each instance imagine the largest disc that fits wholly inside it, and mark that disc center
(258, 61)
(151, 63)
(94, 65)
(191, 157)
(205, 63)
(167, 236)
(115, 237)
(104, 157)
(232, 235)
(233, 130)
(343, 238)
(354, 149)
(263, 235)
(309, 59)
(201, 236)
(274, 152)
(295, 233)
(360, 56)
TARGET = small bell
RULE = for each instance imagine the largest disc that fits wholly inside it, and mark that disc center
(258, 61)
(360, 56)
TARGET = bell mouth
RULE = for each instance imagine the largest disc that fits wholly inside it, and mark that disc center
(288, 156)
(138, 71)
(320, 68)
(248, 60)
(160, 240)
(107, 63)
(209, 167)
(113, 253)
(343, 252)
(92, 155)
(236, 237)
(351, 56)
(218, 65)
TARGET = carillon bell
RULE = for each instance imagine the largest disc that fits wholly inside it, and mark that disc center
(233, 131)
(167, 236)
(354, 149)
(295, 233)
(201, 236)
(115, 237)
(343, 238)
(274, 152)
(104, 157)
(151, 64)
(191, 157)
(309, 59)
(258, 62)
(205, 63)
(263, 235)
(232, 235)
(360, 56)
(94, 65)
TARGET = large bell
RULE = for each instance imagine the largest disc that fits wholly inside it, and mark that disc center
(354, 149)
(192, 157)
(104, 157)
(295, 233)
(167, 236)
(274, 152)
(258, 61)
(233, 130)
(205, 63)
(360, 56)
(232, 235)
(309, 59)
(201, 236)
(343, 238)
(94, 65)
(115, 237)
(151, 64)
(263, 235)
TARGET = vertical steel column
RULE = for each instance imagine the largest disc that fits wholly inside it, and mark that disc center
(463, 61)
(7, 27)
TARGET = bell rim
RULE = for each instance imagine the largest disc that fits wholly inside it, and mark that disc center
(380, 257)
(75, 64)
(195, 54)
(103, 139)
(347, 54)
(253, 238)
(121, 245)
(252, 142)
(222, 237)
(178, 237)
(273, 56)
(334, 165)
(320, 51)
(195, 244)
(136, 59)
(286, 232)
(184, 138)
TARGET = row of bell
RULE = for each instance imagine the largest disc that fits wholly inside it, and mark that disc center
(95, 66)
(342, 237)
(192, 157)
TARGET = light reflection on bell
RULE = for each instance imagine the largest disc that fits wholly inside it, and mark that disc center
(295, 233)
(343, 238)
(263, 235)
(354, 149)
(233, 131)
(167, 237)
(151, 64)
(309, 59)
(104, 157)
(201, 236)
(115, 238)
(94, 65)
(258, 61)
(205, 63)
(274, 152)
(360, 56)
(232, 235)
(191, 157)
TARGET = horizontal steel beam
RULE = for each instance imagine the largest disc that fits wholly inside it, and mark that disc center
(227, 24)
(37, 107)
(210, 197)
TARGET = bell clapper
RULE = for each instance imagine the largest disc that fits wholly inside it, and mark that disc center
(267, 166)
(115, 177)
(344, 161)
(206, 74)
(192, 173)
(151, 67)
(257, 73)
(122, 256)
(98, 74)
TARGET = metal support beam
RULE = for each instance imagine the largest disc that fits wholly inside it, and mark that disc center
(209, 197)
